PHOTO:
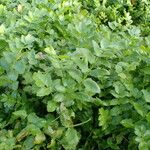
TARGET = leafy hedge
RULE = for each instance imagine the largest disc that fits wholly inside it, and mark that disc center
(74, 75)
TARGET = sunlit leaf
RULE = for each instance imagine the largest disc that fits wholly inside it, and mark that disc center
(70, 139)
(91, 86)
(51, 106)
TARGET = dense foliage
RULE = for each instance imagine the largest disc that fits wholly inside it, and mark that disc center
(74, 74)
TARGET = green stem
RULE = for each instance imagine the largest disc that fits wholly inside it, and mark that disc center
(79, 124)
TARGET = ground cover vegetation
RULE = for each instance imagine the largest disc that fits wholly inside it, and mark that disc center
(74, 74)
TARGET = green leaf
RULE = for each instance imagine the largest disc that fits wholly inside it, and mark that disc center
(97, 49)
(33, 129)
(33, 119)
(146, 95)
(104, 43)
(65, 116)
(83, 97)
(58, 86)
(140, 109)
(1, 70)
(14, 85)
(2, 29)
(4, 81)
(118, 68)
(81, 63)
(70, 139)
(50, 50)
(146, 70)
(148, 117)
(120, 89)
(86, 54)
(29, 39)
(22, 134)
(44, 91)
(51, 106)
(99, 72)
(91, 86)
(39, 138)
(56, 63)
(59, 97)
(12, 75)
(104, 118)
(28, 143)
(20, 67)
(134, 31)
(128, 123)
(27, 76)
(115, 111)
(143, 146)
(3, 45)
(31, 58)
(76, 74)
(42, 79)
(9, 57)
(20, 114)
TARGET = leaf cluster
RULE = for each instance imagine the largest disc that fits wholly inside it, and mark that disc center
(74, 75)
